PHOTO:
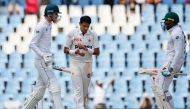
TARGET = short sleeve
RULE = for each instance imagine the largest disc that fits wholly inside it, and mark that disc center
(68, 42)
(96, 43)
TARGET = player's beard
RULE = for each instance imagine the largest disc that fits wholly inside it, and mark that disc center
(168, 24)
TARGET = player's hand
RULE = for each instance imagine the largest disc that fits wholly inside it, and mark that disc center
(77, 51)
(47, 58)
(81, 46)
(82, 54)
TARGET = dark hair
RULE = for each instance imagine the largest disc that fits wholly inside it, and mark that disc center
(86, 19)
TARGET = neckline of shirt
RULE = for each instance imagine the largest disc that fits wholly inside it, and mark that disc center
(80, 32)
(46, 21)
(171, 29)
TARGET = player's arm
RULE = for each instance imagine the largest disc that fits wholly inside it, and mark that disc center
(96, 45)
(141, 104)
(68, 43)
(96, 51)
(69, 51)
(34, 42)
(179, 51)
(111, 80)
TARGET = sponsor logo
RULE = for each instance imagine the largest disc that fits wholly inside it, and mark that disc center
(37, 31)
(88, 46)
(88, 75)
(77, 39)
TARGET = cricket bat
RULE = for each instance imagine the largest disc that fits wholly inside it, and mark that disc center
(63, 69)
(152, 71)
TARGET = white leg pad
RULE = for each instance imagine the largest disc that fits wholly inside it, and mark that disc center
(34, 98)
(55, 90)
(162, 101)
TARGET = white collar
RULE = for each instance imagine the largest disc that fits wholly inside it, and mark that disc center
(171, 29)
(47, 22)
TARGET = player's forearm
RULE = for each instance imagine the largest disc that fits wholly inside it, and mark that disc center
(66, 50)
(92, 51)
(111, 80)
(34, 47)
(96, 51)
(69, 51)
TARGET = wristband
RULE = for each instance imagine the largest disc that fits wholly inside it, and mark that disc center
(71, 51)
(91, 51)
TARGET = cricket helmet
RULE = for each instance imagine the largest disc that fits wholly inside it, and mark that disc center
(51, 8)
(172, 16)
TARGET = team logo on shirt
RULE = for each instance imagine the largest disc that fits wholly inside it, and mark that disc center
(88, 75)
(89, 40)
(177, 37)
(73, 73)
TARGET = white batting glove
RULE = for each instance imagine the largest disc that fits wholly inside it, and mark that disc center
(47, 58)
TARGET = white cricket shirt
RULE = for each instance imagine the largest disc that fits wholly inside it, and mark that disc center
(176, 47)
(41, 41)
(90, 40)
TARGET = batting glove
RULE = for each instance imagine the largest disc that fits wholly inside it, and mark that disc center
(166, 72)
(47, 58)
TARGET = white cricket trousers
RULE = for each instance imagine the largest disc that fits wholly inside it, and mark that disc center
(45, 74)
(164, 82)
(81, 74)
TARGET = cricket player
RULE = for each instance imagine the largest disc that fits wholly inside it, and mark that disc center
(81, 43)
(176, 54)
(40, 44)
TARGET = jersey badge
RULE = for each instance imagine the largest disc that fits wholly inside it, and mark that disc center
(73, 73)
(88, 75)
(89, 40)
(177, 37)
(37, 31)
